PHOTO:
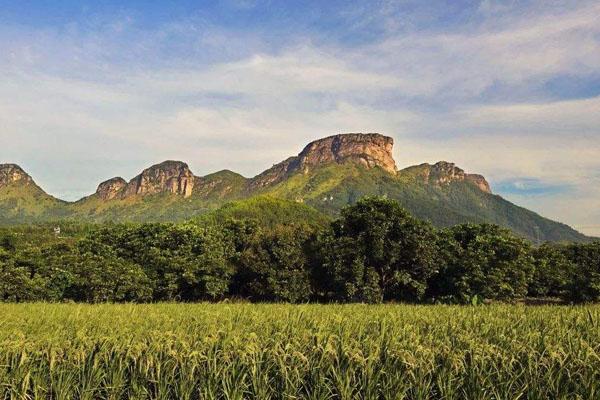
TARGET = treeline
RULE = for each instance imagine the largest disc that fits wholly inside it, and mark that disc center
(374, 252)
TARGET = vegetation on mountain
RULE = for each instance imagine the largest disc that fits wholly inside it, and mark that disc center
(266, 211)
(327, 175)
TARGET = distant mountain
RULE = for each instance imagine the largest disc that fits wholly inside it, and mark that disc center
(326, 175)
(22, 200)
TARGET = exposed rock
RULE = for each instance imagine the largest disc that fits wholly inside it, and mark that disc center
(479, 181)
(111, 188)
(443, 173)
(169, 176)
(12, 173)
(276, 173)
(367, 149)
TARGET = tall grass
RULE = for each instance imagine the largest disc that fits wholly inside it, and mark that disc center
(220, 351)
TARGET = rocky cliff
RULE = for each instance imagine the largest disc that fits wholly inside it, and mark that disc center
(11, 174)
(169, 176)
(443, 173)
(111, 189)
(367, 149)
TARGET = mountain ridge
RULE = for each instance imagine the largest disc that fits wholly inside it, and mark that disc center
(327, 174)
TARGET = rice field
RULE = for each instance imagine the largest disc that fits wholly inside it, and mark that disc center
(245, 351)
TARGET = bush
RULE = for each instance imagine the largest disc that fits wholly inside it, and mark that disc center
(481, 260)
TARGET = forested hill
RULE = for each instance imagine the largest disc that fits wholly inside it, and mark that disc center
(326, 175)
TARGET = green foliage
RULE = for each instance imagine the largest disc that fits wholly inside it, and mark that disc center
(584, 282)
(99, 275)
(273, 266)
(481, 260)
(185, 262)
(267, 212)
(376, 251)
(239, 351)
(552, 271)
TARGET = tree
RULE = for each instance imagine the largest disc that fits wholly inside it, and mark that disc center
(376, 251)
(481, 260)
(552, 271)
(273, 266)
(184, 262)
(584, 280)
(14, 281)
(8, 242)
(99, 275)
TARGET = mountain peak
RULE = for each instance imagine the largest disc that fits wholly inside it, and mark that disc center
(369, 150)
(111, 188)
(444, 172)
(12, 173)
(169, 176)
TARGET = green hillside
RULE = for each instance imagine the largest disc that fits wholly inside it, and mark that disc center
(326, 190)
(28, 203)
(330, 188)
(267, 211)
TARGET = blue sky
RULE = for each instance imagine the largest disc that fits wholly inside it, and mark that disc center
(509, 89)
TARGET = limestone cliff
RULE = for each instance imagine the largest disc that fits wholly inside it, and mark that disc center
(443, 173)
(111, 188)
(169, 176)
(13, 174)
(367, 149)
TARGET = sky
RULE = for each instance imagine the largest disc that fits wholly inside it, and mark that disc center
(509, 89)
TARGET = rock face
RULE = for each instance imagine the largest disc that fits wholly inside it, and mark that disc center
(111, 188)
(367, 149)
(443, 173)
(12, 173)
(169, 176)
(479, 181)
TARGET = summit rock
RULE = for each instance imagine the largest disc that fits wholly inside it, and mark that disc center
(369, 150)
(169, 176)
(13, 174)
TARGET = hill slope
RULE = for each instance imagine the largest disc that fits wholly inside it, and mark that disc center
(22, 200)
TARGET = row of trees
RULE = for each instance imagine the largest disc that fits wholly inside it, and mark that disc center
(374, 252)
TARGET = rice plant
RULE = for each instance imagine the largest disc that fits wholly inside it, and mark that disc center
(244, 351)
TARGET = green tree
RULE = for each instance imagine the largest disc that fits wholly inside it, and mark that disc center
(584, 280)
(185, 262)
(14, 281)
(376, 251)
(99, 275)
(552, 271)
(273, 266)
(481, 260)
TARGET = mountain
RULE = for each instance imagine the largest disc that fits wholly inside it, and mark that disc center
(326, 175)
(21, 199)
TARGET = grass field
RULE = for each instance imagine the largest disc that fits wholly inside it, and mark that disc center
(243, 351)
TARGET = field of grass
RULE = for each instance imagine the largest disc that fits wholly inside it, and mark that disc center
(243, 351)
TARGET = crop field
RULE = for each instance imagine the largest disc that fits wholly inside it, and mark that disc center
(244, 351)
